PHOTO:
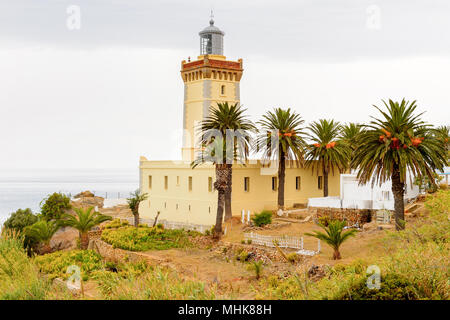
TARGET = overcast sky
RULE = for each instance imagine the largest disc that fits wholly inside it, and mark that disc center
(104, 94)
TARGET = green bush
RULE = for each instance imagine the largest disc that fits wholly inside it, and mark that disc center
(392, 287)
(20, 219)
(262, 218)
(54, 206)
(146, 238)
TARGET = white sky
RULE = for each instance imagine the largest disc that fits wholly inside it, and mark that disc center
(101, 96)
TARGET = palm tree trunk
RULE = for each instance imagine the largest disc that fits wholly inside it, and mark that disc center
(136, 219)
(228, 212)
(84, 240)
(398, 189)
(221, 186)
(325, 181)
(281, 178)
(336, 254)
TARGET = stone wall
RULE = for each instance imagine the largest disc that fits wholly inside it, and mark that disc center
(109, 253)
(352, 216)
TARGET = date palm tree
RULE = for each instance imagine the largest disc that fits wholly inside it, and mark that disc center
(84, 220)
(398, 142)
(290, 144)
(350, 134)
(42, 231)
(223, 151)
(327, 151)
(333, 236)
(134, 201)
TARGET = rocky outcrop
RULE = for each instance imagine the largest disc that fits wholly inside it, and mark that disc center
(64, 239)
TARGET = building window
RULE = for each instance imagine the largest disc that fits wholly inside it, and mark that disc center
(166, 182)
(177, 206)
(222, 90)
(319, 182)
(190, 184)
(246, 184)
(189, 207)
(210, 184)
(298, 183)
(149, 182)
(274, 184)
(178, 180)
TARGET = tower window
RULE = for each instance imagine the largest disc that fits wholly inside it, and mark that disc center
(210, 184)
(222, 90)
(298, 183)
(178, 180)
(166, 182)
(246, 184)
(274, 183)
(319, 182)
(190, 184)
(149, 182)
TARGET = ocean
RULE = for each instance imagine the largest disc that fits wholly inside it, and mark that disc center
(27, 188)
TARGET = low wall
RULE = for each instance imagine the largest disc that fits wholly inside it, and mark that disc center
(352, 216)
(109, 253)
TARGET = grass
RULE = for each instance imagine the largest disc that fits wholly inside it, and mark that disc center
(20, 278)
(154, 284)
(147, 238)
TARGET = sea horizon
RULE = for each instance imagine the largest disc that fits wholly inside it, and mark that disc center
(26, 188)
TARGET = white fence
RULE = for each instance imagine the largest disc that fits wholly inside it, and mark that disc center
(282, 242)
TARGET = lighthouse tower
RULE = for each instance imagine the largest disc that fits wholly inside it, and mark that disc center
(209, 80)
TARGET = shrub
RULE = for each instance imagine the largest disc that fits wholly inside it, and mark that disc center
(292, 257)
(55, 264)
(249, 241)
(263, 218)
(243, 241)
(114, 224)
(142, 239)
(257, 267)
(54, 206)
(20, 219)
(242, 256)
(443, 186)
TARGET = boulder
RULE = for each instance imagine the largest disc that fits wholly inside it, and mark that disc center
(370, 226)
(84, 194)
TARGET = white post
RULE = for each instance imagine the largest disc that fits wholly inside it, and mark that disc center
(302, 242)
(243, 216)
(248, 216)
(318, 245)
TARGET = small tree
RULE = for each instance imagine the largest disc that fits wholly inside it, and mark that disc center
(54, 206)
(84, 220)
(18, 221)
(134, 201)
(334, 236)
(42, 232)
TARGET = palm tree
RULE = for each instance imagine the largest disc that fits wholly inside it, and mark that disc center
(84, 220)
(134, 201)
(334, 236)
(327, 152)
(397, 142)
(350, 134)
(217, 149)
(443, 133)
(42, 232)
(290, 145)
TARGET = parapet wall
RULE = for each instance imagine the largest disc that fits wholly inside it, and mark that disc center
(351, 216)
